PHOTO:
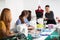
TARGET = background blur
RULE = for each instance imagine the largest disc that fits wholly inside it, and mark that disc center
(17, 6)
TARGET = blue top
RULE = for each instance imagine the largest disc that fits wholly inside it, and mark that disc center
(19, 22)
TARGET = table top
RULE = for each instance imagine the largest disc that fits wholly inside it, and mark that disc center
(44, 37)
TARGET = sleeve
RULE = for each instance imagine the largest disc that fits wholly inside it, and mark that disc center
(52, 14)
(18, 22)
(27, 22)
(45, 15)
(3, 28)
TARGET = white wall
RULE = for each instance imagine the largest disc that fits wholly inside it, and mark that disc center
(30, 5)
(2, 4)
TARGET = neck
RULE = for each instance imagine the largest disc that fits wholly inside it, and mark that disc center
(47, 11)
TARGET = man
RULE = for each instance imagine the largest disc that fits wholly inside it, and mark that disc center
(49, 15)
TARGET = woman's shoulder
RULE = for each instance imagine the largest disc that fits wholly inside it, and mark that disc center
(51, 11)
(2, 22)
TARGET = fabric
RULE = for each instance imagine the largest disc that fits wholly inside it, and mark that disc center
(39, 13)
(53, 35)
(50, 17)
(19, 22)
(2, 28)
(51, 21)
(39, 10)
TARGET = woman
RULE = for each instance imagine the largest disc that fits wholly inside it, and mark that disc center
(5, 23)
(49, 15)
(23, 19)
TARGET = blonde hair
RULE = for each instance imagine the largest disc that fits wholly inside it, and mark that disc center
(6, 17)
(0, 16)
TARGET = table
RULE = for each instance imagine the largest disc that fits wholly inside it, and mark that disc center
(44, 37)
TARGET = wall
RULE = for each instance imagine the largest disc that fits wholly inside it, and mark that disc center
(31, 5)
(2, 4)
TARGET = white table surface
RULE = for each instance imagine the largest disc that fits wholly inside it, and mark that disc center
(44, 37)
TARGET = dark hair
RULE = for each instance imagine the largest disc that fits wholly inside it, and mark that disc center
(47, 6)
(24, 13)
(29, 17)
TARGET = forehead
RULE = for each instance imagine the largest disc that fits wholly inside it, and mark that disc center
(6, 11)
(47, 7)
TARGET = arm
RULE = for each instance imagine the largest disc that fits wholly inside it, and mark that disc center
(18, 22)
(50, 17)
(27, 22)
(3, 28)
(52, 14)
(46, 17)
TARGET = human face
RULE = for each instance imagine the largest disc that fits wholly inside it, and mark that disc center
(47, 9)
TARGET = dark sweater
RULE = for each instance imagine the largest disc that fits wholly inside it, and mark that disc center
(49, 15)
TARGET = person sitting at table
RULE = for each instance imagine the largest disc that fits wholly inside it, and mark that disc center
(49, 15)
(23, 19)
(5, 23)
